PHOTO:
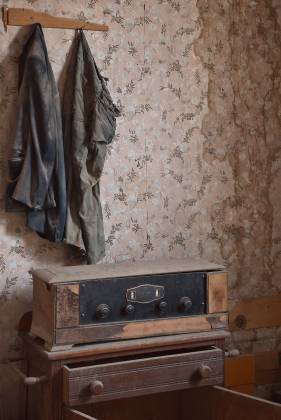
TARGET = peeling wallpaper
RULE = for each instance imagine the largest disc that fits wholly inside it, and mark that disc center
(194, 167)
(240, 45)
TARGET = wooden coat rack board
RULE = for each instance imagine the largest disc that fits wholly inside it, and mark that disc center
(22, 17)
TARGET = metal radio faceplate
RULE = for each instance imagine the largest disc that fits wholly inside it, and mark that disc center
(142, 297)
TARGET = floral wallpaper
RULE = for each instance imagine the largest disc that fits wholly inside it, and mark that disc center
(194, 168)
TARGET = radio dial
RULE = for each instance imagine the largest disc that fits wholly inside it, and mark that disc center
(185, 304)
(162, 306)
(103, 311)
(129, 309)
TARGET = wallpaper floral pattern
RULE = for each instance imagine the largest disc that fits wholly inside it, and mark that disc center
(194, 168)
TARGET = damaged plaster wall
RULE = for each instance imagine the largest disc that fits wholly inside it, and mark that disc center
(240, 46)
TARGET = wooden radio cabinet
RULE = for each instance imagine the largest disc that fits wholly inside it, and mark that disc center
(88, 304)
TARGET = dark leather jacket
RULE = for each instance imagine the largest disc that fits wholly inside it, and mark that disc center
(37, 173)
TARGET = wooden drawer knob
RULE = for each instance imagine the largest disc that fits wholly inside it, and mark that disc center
(96, 387)
(204, 371)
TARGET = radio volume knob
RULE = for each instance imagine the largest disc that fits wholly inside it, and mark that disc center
(162, 306)
(185, 304)
(102, 311)
(129, 309)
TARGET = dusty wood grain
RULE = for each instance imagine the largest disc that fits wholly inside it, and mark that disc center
(249, 389)
(43, 311)
(67, 306)
(68, 331)
(216, 403)
(268, 360)
(256, 313)
(217, 292)
(164, 406)
(258, 369)
(21, 17)
(103, 271)
(126, 330)
(240, 370)
(70, 414)
(268, 367)
(12, 393)
(142, 376)
(46, 400)
(135, 346)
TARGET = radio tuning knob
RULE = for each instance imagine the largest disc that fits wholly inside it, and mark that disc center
(162, 306)
(129, 309)
(102, 311)
(185, 304)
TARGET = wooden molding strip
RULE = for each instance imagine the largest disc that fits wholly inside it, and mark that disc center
(22, 17)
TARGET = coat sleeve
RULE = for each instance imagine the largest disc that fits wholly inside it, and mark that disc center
(35, 136)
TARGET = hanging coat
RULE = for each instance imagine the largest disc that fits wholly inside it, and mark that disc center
(89, 122)
(37, 173)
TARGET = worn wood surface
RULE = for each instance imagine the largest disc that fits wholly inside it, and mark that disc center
(127, 330)
(45, 401)
(67, 306)
(164, 406)
(64, 328)
(268, 367)
(12, 393)
(217, 292)
(43, 311)
(253, 369)
(127, 378)
(22, 17)
(137, 346)
(217, 403)
(195, 404)
(103, 271)
(249, 389)
(71, 414)
(240, 370)
(256, 313)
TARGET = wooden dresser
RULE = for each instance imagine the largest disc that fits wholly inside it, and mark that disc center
(158, 378)
(163, 360)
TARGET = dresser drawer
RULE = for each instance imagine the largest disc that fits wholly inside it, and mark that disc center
(112, 379)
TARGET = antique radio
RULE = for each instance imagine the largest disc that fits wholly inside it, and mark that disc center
(86, 304)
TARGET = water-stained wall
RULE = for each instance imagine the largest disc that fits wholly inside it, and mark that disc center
(240, 46)
(194, 168)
